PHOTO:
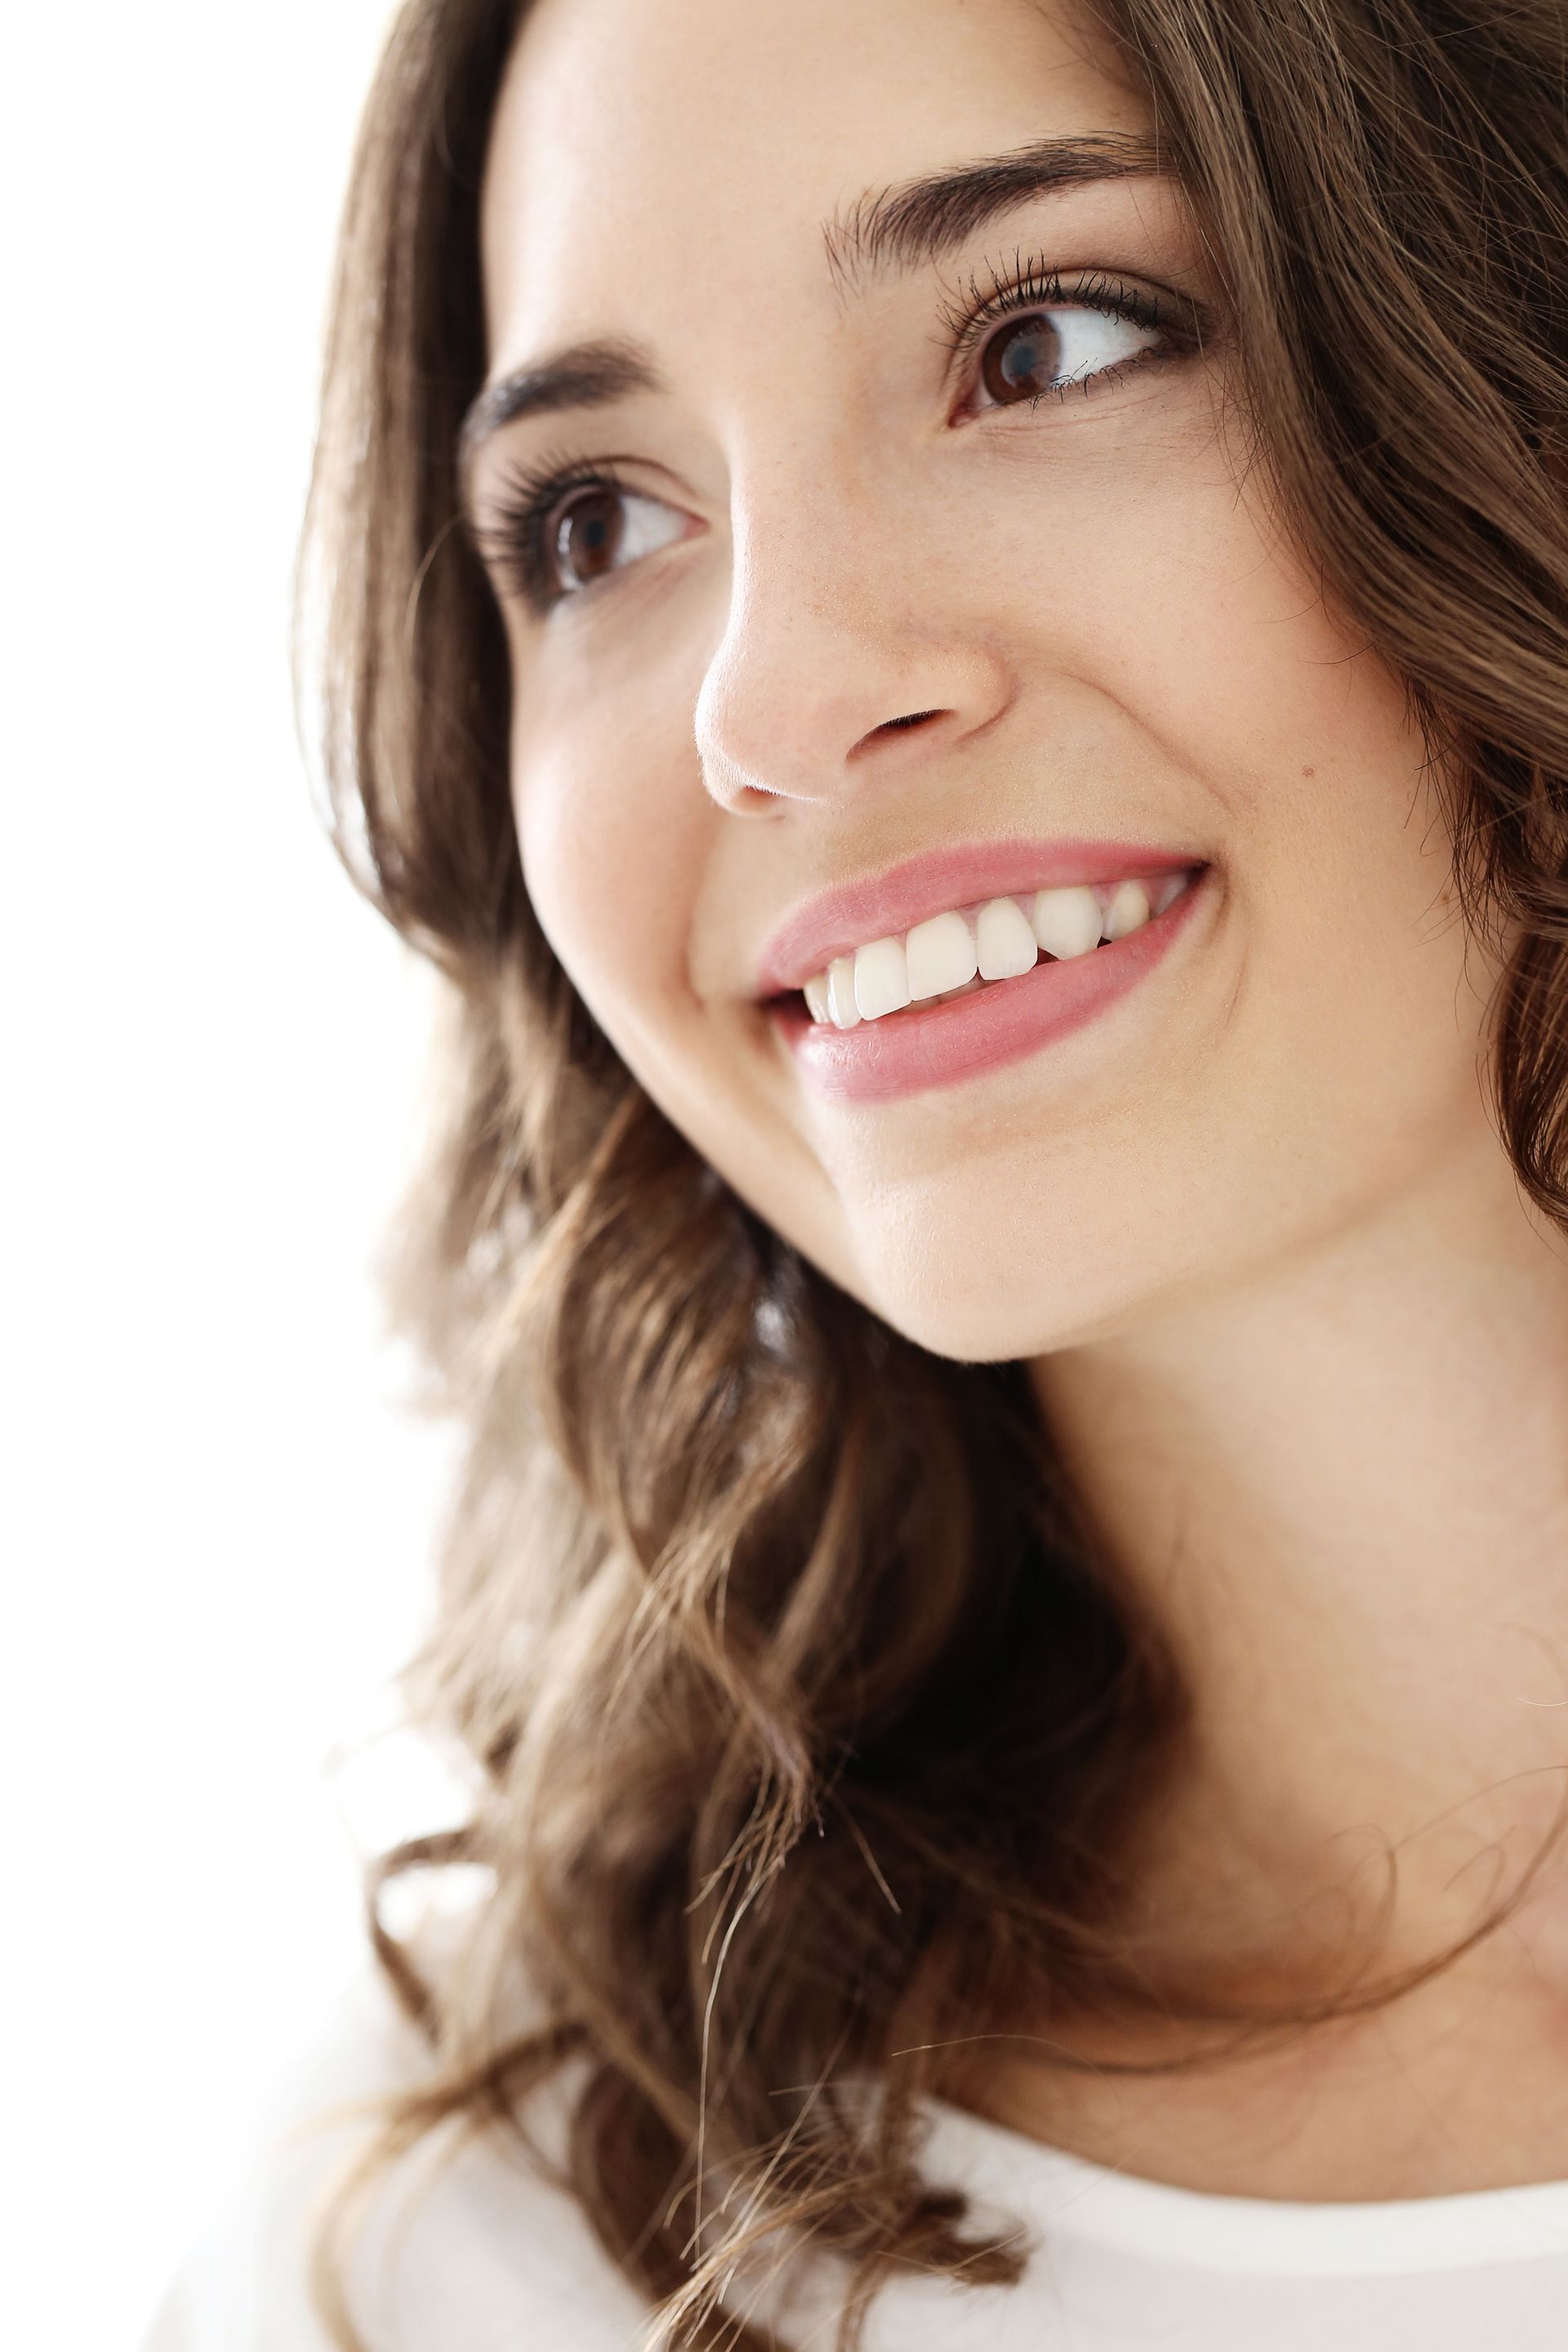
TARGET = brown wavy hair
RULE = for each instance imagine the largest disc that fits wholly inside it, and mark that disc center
(807, 1729)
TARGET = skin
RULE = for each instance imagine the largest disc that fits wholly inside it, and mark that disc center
(1304, 1344)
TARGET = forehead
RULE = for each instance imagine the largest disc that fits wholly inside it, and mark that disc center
(648, 154)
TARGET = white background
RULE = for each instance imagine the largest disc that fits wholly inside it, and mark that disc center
(218, 1521)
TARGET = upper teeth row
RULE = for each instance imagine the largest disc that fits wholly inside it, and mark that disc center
(997, 940)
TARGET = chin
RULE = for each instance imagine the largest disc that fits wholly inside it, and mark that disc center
(975, 1318)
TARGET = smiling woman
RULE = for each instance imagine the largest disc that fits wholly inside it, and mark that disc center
(950, 621)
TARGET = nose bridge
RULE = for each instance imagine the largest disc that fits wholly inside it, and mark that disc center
(840, 620)
(819, 527)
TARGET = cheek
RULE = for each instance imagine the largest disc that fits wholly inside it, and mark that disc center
(1290, 743)
(612, 848)
(615, 858)
(1165, 588)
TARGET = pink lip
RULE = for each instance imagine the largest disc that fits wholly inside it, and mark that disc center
(831, 924)
(936, 1045)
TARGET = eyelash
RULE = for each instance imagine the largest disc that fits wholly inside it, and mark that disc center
(514, 537)
(1034, 288)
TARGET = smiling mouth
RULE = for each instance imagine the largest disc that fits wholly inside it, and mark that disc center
(967, 951)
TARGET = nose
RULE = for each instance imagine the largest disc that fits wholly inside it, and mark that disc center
(850, 649)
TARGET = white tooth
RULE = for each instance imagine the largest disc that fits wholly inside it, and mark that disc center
(841, 1006)
(1006, 944)
(1067, 921)
(1128, 910)
(940, 955)
(816, 998)
(1169, 889)
(881, 978)
(949, 993)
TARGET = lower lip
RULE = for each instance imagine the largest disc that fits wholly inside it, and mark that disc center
(906, 1053)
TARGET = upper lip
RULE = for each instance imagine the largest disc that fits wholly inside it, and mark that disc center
(879, 905)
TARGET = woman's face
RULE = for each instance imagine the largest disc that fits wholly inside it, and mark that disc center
(890, 529)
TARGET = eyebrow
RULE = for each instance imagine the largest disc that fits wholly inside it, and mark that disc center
(885, 233)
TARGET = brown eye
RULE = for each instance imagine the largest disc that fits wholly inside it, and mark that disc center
(1070, 344)
(588, 531)
(1022, 361)
(597, 527)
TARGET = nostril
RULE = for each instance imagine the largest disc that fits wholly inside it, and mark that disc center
(895, 727)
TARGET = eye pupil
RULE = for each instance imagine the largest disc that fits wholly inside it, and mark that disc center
(587, 534)
(1023, 360)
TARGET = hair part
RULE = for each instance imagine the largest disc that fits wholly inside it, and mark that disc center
(805, 1725)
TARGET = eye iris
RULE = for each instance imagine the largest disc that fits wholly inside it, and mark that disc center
(1022, 361)
(587, 534)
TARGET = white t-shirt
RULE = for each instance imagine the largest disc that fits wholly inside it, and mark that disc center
(480, 2254)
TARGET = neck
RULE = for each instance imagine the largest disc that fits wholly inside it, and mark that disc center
(1342, 1489)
